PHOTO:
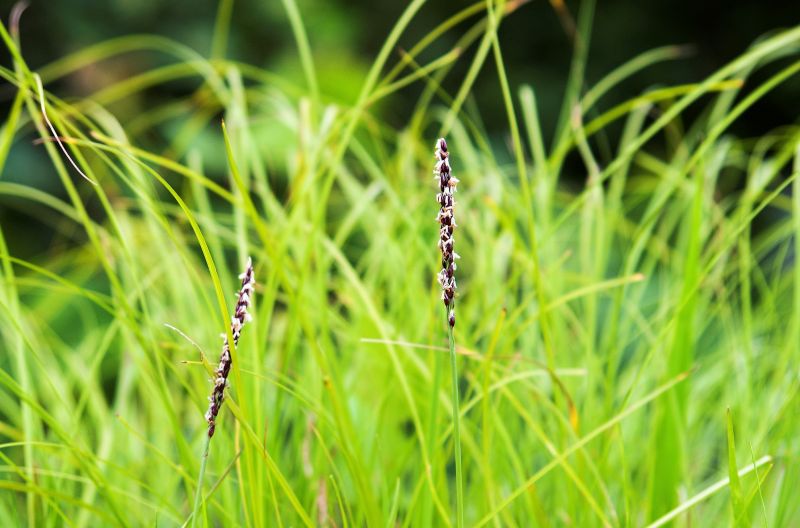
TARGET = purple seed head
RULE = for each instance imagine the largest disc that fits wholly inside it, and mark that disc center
(240, 317)
(447, 221)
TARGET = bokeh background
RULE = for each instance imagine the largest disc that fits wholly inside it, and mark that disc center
(347, 35)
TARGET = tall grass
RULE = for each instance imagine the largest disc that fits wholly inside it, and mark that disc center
(628, 344)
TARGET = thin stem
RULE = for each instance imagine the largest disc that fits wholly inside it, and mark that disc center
(199, 493)
(456, 429)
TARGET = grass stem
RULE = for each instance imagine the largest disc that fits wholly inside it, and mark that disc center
(456, 430)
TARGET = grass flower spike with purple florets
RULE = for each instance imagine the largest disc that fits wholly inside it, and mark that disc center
(447, 221)
(447, 280)
(238, 320)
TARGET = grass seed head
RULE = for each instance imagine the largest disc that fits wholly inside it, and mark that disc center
(238, 320)
(447, 222)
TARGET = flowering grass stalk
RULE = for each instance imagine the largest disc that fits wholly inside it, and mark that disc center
(238, 320)
(447, 280)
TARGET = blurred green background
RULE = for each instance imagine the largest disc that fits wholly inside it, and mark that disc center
(346, 36)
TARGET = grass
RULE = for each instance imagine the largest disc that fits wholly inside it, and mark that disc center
(628, 317)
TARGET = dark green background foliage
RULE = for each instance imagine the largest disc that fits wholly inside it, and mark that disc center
(346, 35)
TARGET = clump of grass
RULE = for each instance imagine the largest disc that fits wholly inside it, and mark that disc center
(667, 285)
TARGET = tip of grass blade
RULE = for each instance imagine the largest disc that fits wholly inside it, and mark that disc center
(56, 137)
(684, 50)
(513, 5)
(15, 16)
